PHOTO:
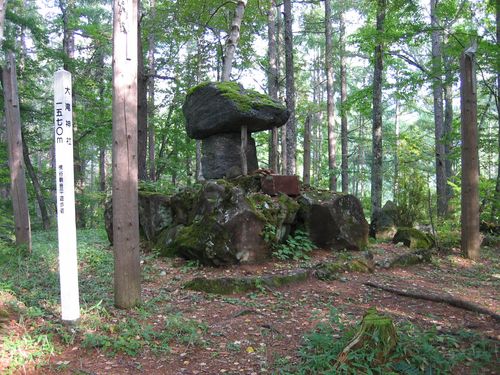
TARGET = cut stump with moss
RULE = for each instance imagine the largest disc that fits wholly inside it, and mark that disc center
(236, 285)
(376, 334)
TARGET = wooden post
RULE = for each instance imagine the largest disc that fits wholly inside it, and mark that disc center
(127, 271)
(471, 238)
(244, 144)
(14, 139)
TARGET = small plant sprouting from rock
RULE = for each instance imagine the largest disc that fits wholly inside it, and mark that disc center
(296, 247)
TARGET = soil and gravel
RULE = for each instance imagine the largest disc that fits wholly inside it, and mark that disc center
(254, 333)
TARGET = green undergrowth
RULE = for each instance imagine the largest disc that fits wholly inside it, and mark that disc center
(417, 351)
(32, 283)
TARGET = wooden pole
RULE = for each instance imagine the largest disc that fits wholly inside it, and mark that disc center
(471, 238)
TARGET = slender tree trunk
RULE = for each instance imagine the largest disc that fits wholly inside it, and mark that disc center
(396, 151)
(272, 79)
(280, 42)
(332, 141)
(3, 8)
(19, 193)
(496, 204)
(437, 92)
(127, 272)
(291, 136)
(151, 97)
(343, 111)
(232, 42)
(307, 151)
(36, 186)
(448, 128)
(142, 111)
(102, 169)
(471, 238)
(376, 180)
(233, 38)
(69, 54)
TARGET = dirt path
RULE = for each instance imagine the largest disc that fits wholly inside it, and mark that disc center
(254, 333)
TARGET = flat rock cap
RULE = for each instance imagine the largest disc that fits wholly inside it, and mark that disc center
(224, 107)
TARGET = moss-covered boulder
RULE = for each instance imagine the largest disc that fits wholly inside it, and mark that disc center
(245, 284)
(333, 270)
(413, 238)
(223, 107)
(333, 220)
(383, 223)
(222, 223)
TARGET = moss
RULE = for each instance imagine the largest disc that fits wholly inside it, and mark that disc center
(332, 270)
(413, 238)
(411, 258)
(235, 285)
(244, 99)
(197, 87)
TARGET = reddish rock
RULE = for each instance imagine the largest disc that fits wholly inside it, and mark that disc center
(275, 184)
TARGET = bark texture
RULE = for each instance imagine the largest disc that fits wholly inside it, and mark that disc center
(437, 93)
(376, 179)
(233, 38)
(471, 238)
(15, 145)
(332, 142)
(291, 136)
(494, 211)
(151, 97)
(127, 275)
(307, 151)
(142, 111)
(272, 80)
(343, 113)
(3, 8)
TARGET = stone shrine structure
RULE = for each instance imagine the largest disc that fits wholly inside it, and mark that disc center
(215, 113)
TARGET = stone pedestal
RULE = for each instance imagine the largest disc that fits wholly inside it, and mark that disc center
(221, 156)
(275, 184)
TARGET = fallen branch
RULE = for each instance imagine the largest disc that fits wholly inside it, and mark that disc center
(450, 300)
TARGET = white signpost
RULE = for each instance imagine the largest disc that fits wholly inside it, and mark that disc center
(66, 225)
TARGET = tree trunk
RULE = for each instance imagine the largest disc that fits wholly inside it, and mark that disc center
(291, 137)
(471, 238)
(496, 204)
(3, 8)
(19, 193)
(307, 151)
(448, 128)
(102, 169)
(151, 97)
(343, 111)
(127, 272)
(142, 111)
(232, 42)
(272, 81)
(332, 142)
(376, 179)
(396, 151)
(69, 54)
(36, 186)
(437, 92)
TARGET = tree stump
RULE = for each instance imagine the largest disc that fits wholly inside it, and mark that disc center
(376, 333)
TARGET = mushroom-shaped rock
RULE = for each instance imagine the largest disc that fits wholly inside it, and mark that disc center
(333, 220)
(224, 107)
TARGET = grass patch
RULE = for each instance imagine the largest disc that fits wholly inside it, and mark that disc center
(417, 352)
(33, 280)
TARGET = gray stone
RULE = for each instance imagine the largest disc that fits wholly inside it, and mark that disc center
(221, 156)
(223, 107)
(383, 223)
(333, 220)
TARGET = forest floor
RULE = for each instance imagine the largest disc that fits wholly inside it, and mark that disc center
(254, 333)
